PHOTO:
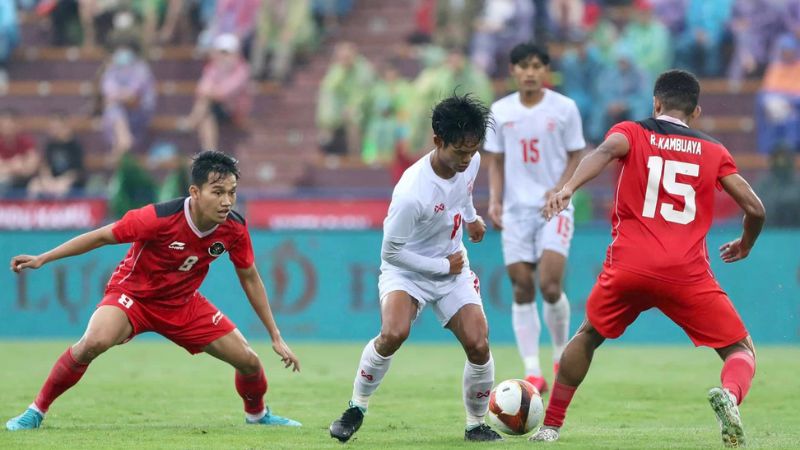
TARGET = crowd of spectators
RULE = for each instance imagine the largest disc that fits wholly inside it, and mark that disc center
(606, 55)
(243, 41)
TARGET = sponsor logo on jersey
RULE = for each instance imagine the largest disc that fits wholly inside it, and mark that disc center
(216, 249)
(438, 208)
(177, 245)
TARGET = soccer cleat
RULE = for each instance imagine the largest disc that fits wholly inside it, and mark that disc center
(344, 427)
(29, 420)
(481, 433)
(545, 434)
(730, 423)
(275, 420)
(538, 382)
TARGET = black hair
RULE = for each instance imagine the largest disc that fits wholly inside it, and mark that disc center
(677, 90)
(526, 50)
(459, 118)
(211, 161)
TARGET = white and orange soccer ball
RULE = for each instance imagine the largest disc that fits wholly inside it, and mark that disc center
(515, 407)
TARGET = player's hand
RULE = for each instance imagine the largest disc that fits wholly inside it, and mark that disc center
(557, 202)
(21, 262)
(476, 229)
(286, 354)
(733, 251)
(456, 262)
(496, 214)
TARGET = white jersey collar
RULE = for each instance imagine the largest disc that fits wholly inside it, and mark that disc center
(671, 119)
(197, 232)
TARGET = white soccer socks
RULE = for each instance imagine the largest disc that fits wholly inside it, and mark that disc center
(478, 382)
(369, 374)
(556, 317)
(527, 327)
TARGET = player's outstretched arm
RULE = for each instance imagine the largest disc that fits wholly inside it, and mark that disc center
(75, 246)
(754, 217)
(256, 293)
(614, 147)
(496, 180)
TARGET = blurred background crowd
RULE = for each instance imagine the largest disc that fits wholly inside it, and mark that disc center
(109, 98)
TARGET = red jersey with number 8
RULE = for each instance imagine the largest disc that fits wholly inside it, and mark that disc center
(664, 200)
(169, 257)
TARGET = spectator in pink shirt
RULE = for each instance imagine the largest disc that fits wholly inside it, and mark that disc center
(222, 94)
(237, 17)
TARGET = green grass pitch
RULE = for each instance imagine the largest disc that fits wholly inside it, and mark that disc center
(151, 394)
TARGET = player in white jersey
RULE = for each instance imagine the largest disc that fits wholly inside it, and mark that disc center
(424, 262)
(532, 151)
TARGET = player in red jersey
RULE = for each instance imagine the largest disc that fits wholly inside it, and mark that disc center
(658, 256)
(155, 289)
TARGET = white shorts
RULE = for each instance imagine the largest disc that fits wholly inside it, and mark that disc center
(525, 238)
(446, 299)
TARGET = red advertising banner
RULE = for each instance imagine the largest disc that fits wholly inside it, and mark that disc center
(316, 214)
(52, 214)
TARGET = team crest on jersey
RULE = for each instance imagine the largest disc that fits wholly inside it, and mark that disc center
(508, 125)
(551, 124)
(216, 249)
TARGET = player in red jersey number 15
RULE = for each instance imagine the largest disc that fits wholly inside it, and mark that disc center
(664, 203)
(155, 288)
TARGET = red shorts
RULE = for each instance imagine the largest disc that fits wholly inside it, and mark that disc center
(192, 325)
(703, 310)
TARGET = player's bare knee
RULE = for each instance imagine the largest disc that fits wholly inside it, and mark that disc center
(524, 293)
(477, 349)
(551, 291)
(251, 364)
(391, 339)
(90, 347)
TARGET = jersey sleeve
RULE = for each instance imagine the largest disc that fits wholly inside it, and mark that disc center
(628, 129)
(241, 252)
(136, 225)
(493, 142)
(470, 214)
(399, 223)
(727, 166)
(573, 129)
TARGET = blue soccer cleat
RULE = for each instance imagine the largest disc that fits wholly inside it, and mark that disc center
(29, 420)
(272, 419)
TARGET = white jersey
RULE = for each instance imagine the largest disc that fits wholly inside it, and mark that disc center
(426, 215)
(535, 142)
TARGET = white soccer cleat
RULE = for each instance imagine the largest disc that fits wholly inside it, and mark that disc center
(730, 422)
(545, 434)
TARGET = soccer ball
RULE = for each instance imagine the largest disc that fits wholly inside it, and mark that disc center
(515, 407)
